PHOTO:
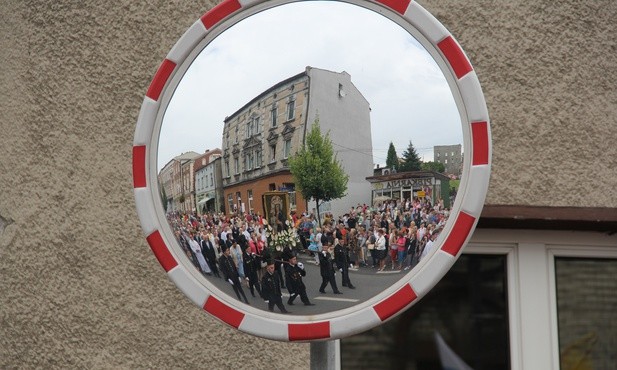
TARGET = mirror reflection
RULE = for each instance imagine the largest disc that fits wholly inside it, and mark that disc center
(316, 235)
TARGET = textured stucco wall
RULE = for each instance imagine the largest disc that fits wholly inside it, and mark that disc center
(548, 71)
(79, 286)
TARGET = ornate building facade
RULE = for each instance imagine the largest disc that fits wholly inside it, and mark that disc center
(259, 138)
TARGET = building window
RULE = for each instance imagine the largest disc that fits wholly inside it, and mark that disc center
(249, 196)
(287, 149)
(272, 153)
(258, 158)
(211, 179)
(468, 308)
(256, 125)
(239, 204)
(227, 173)
(237, 165)
(290, 188)
(250, 160)
(586, 312)
(230, 201)
(291, 108)
(249, 129)
(292, 200)
(236, 137)
(273, 114)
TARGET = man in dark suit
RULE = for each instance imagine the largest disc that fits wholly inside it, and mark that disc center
(230, 272)
(271, 288)
(294, 272)
(341, 258)
(327, 270)
(207, 249)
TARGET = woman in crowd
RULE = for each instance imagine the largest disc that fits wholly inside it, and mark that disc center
(361, 261)
(380, 249)
(393, 246)
(401, 248)
(236, 254)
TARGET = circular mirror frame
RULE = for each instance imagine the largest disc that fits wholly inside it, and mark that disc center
(393, 300)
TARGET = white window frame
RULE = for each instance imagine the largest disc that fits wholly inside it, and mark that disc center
(286, 148)
(273, 115)
(509, 250)
(272, 153)
(249, 128)
(250, 161)
(249, 196)
(258, 158)
(582, 252)
(532, 297)
(230, 202)
(291, 108)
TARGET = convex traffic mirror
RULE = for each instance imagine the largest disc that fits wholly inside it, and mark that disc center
(237, 97)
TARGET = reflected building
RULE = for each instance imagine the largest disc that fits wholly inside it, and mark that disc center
(451, 156)
(176, 182)
(259, 138)
(400, 186)
(209, 182)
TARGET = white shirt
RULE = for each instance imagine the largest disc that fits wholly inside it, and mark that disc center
(380, 244)
(427, 249)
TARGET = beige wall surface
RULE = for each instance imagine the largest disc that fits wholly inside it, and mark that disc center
(79, 286)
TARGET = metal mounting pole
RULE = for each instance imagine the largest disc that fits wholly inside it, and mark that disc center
(324, 355)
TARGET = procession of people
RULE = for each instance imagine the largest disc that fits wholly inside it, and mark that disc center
(241, 249)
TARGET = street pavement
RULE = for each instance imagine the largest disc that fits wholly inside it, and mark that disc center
(368, 283)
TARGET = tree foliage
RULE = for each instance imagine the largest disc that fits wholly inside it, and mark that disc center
(410, 160)
(433, 166)
(317, 173)
(163, 197)
(392, 158)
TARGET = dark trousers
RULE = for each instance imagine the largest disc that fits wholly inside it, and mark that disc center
(255, 285)
(276, 300)
(325, 281)
(213, 267)
(374, 257)
(238, 289)
(346, 281)
(303, 297)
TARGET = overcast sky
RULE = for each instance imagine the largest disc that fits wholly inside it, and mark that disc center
(409, 96)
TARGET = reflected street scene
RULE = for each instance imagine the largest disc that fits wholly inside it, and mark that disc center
(346, 260)
(304, 168)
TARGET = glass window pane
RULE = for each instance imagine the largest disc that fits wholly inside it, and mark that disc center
(587, 312)
(468, 308)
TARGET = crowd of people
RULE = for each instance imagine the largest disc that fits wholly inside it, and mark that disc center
(393, 235)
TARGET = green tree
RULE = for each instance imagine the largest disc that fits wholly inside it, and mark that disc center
(316, 171)
(433, 166)
(392, 159)
(410, 160)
